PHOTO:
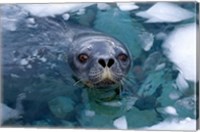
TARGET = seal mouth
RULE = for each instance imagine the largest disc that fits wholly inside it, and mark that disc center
(105, 82)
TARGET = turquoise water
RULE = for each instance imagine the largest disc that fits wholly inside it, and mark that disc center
(53, 98)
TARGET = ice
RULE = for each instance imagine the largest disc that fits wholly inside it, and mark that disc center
(170, 110)
(127, 6)
(165, 12)
(90, 113)
(103, 6)
(175, 124)
(120, 123)
(7, 113)
(147, 40)
(180, 48)
(23, 62)
(43, 10)
(10, 15)
(66, 16)
(181, 82)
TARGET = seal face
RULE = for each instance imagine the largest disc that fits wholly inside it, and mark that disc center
(98, 60)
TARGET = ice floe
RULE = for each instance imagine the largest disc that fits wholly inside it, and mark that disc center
(103, 6)
(165, 12)
(180, 48)
(175, 124)
(120, 123)
(43, 10)
(127, 6)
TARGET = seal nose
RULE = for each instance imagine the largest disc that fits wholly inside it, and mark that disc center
(110, 62)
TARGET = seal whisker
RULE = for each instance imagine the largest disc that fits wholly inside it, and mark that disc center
(77, 82)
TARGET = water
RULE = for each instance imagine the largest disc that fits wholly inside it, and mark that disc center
(39, 89)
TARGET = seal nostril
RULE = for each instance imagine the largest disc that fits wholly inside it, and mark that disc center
(110, 62)
(102, 62)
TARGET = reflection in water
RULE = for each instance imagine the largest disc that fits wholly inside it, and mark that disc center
(39, 88)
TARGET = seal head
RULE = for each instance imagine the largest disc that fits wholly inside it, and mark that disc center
(98, 60)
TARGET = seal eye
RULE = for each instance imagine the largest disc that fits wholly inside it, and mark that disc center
(123, 57)
(83, 58)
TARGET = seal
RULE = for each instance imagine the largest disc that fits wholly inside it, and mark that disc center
(98, 60)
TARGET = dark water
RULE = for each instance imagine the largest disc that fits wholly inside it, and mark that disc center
(45, 93)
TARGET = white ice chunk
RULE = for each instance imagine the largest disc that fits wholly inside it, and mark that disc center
(180, 48)
(161, 36)
(23, 62)
(7, 113)
(160, 66)
(165, 12)
(113, 103)
(66, 16)
(43, 10)
(120, 123)
(175, 124)
(181, 82)
(89, 113)
(43, 59)
(103, 6)
(170, 110)
(127, 6)
(147, 40)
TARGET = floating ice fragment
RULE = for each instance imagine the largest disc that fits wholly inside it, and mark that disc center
(89, 113)
(31, 20)
(23, 62)
(165, 12)
(66, 16)
(81, 11)
(10, 15)
(127, 6)
(113, 103)
(181, 82)
(43, 10)
(160, 66)
(103, 6)
(14, 75)
(180, 48)
(175, 124)
(29, 66)
(120, 123)
(43, 59)
(7, 113)
(161, 36)
(147, 40)
(170, 110)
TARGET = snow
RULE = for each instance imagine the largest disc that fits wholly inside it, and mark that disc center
(180, 48)
(170, 110)
(127, 6)
(120, 123)
(165, 12)
(43, 10)
(175, 124)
